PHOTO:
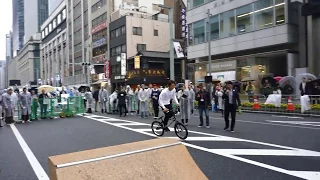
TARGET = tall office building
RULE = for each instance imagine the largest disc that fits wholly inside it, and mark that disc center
(28, 15)
(2, 74)
(78, 38)
(9, 55)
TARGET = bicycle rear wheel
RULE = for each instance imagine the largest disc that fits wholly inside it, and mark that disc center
(181, 130)
(157, 128)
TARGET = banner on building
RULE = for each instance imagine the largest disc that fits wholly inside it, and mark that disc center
(179, 50)
(137, 62)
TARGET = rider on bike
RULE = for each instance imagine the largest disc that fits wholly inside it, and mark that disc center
(165, 102)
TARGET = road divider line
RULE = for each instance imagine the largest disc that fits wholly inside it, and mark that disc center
(36, 166)
(274, 124)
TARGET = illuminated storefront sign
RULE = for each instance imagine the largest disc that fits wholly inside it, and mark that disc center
(99, 59)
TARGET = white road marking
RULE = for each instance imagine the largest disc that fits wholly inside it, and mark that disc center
(208, 139)
(276, 124)
(131, 124)
(36, 166)
(226, 153)
(307, 123)
(266, 152)
(290, 117)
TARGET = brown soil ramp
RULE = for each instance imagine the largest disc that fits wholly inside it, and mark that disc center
(157, 159)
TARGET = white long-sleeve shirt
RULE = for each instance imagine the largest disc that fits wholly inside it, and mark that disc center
(143, 95)
(166, 96)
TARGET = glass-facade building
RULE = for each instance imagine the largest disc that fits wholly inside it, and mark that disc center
(248, 38)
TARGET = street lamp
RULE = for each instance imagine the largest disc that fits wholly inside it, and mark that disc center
(209, 52)
(171, 39)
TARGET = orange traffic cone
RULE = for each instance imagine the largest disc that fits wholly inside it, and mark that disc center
(290, 106)
(255, 103)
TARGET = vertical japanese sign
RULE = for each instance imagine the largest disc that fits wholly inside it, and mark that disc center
(184, 29)
(107, 69)
(123, 62)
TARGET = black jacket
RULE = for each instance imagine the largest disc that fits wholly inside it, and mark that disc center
(235, 98)
(122, 98)
(205, 96)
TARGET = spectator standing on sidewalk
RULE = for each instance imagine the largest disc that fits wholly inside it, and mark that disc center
(250, 90)
(96, 99)
(122, 96)
(155, 101)
(184, 97)
(144, 96)
(231, 97)
(34, 106)
(44, 101)
(25, 104)
(220, 101)
(150, 101)
(192, 97)
(103, 98)
(130, 97)
(8, 106)
(137, 98)
(203, 98)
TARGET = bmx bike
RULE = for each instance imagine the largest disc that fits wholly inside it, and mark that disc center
(158, 127)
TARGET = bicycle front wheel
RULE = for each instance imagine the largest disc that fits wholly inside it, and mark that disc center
(157, 128)
(181, 130)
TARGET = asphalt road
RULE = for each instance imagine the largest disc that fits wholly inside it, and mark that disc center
(263, 146)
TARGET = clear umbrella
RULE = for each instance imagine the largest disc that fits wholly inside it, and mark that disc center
(290, 79)
(308, 76)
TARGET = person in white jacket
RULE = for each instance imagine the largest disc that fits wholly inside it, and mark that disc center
(103, 99)
(219, 94)
(144, 96)
(130, 97)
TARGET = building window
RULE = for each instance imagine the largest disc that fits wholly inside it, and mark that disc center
(64, 14)
(50, 27)
(155, 32)
(198, 30)
(123, 30)
(214, 27)
(141, 47)
(245, 19)
(43, 34)
(46, 31)
(118, 32)
(280, 13)
(59, 18)
(137, 31)
(263, 16)
(197, 2)
(118, 50)
(98, 5)
(112, 34)
(54, 23)
(123, 48)
(227, 24)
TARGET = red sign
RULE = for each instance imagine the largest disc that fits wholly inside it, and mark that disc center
(107, 69)
(98, 27)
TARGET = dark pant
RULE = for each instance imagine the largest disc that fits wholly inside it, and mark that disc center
(96, 104)
(121, 108)
(168, 115)
(43, 110)
(230, 108)
(206, 112)
(156, 109)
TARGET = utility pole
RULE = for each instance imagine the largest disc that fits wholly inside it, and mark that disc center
(209, 52)
(171, 39)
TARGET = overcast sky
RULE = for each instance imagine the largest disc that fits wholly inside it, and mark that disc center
(6, 25)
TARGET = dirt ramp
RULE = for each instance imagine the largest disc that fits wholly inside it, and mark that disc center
(157, 159)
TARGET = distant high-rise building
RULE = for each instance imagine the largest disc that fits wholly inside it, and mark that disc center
(9, 55)
(53, 4)
(27, 19)
(2, 74)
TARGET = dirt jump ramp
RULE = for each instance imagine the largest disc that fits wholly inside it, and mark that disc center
(157, 159)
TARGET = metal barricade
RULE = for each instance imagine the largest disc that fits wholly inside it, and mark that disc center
(54, 107)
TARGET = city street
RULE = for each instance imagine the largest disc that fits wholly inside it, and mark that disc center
(263, 146)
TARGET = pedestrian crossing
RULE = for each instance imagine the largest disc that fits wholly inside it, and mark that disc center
(301, 123)
(212, 142)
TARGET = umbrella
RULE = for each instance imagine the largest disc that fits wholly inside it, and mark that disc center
(308, 76)
(47, 88)
(272, 81)
(216, 80)
(290, 79)
(83, 88)
(277, 78)
(247, 79)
